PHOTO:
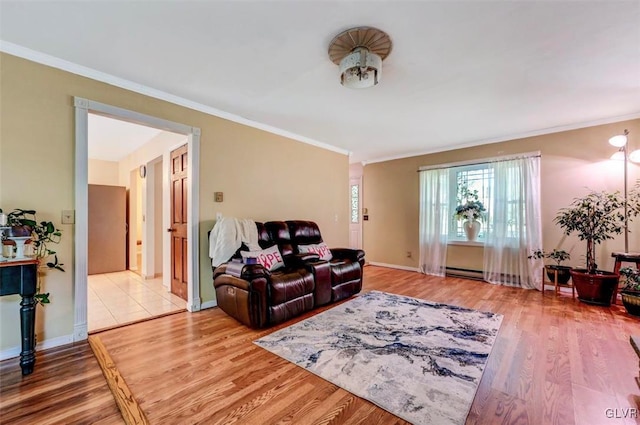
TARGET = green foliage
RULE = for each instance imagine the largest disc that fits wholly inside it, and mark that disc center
(631, 279)
(597, 217)
(557, 255)
(43, 234)
(470, 207)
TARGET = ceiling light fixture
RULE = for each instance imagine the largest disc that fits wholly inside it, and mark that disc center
(359, 53)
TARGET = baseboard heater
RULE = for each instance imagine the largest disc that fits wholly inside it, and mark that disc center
(465, 273)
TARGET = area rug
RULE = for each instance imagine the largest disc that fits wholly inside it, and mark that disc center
(420, 360)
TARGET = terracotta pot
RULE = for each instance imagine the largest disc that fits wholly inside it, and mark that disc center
(631, 301)
(563, 273)
(595, 288)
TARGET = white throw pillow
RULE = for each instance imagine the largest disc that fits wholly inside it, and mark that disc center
(321, 249)
(269, 258)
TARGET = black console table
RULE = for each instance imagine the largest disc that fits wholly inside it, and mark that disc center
(20, 277)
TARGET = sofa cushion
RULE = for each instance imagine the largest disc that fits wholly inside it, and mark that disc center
(304, 232)
(269, 258)
(279, 233)
(289, 286)
(321, 249)
(344, 271)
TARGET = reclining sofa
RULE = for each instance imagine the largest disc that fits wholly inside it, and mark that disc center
(300, 281)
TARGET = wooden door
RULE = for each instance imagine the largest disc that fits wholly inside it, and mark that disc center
(107, 229)
(178, 227)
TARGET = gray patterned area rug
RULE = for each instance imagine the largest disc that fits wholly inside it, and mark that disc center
(421, 361)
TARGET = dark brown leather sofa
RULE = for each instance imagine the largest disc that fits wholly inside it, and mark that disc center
(259, 298)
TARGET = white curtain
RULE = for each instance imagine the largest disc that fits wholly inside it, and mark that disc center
(514, 224)
(434, 221)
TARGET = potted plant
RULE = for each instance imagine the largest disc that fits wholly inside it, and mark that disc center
(559, 256)
(595, 218)
(471, 210)
(23, 223)
(631, 290)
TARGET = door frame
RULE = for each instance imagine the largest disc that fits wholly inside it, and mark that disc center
(82, 109)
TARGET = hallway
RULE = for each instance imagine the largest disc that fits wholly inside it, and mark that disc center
(123, 297)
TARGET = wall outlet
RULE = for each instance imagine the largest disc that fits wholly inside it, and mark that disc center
(218, 216)
(408, 254)
(68, 217)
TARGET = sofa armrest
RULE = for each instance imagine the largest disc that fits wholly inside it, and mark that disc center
(245, 299)
(356, 255)
(301, 259)
(241, 271)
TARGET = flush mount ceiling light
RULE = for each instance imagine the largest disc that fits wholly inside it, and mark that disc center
(359, 53)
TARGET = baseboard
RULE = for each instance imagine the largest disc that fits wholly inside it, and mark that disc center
(209, 304)
(81, 332)
(44, 345)
(395, 266)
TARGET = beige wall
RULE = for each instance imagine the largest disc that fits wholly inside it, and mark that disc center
(264, 176)
(154, 148)
(103, 172)
(572, 162)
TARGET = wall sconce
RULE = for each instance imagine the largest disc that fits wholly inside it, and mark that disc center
(620, 141)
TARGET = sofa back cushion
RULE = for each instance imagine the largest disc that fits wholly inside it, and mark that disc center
(304, 233)
(264, 240)
(279, 234)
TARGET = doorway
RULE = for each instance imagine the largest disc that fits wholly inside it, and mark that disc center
(125, 173)
(82, 108)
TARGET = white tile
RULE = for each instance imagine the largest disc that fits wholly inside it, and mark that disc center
(124, 297)
(131, 316)
(162, 309)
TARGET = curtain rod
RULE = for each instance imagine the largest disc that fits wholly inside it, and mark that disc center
(536, 154)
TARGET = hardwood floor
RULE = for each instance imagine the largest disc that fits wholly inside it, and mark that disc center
(66, 387)
(555, 361)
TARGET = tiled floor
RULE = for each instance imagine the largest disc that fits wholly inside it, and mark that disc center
(124, 297)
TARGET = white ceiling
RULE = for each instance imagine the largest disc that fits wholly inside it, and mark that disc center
(460, 72)
(113, 140)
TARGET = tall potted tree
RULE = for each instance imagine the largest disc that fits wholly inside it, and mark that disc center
(595, 218)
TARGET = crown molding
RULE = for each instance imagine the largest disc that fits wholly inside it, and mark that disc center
(54, 62)
(542, 132)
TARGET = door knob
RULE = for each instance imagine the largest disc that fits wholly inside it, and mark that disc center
(171, 229)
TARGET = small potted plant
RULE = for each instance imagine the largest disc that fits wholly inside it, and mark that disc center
(630, 290)
(23, 223)
(470, 210)
(595, 218)
(559, 256)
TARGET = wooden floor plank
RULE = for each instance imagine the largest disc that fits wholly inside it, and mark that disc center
(555, 361)
(66, 387)
(129, 407)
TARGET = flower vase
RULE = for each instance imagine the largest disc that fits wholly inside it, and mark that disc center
(471, 229)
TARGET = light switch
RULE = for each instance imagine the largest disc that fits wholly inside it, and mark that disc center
(68, 216)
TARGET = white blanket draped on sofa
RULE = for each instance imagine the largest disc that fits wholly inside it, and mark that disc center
(227, 236)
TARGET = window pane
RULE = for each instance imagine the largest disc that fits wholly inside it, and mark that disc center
(471, 181)
(355, 207)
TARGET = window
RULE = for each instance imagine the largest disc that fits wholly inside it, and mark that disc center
(355, 207)
(474, 179)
